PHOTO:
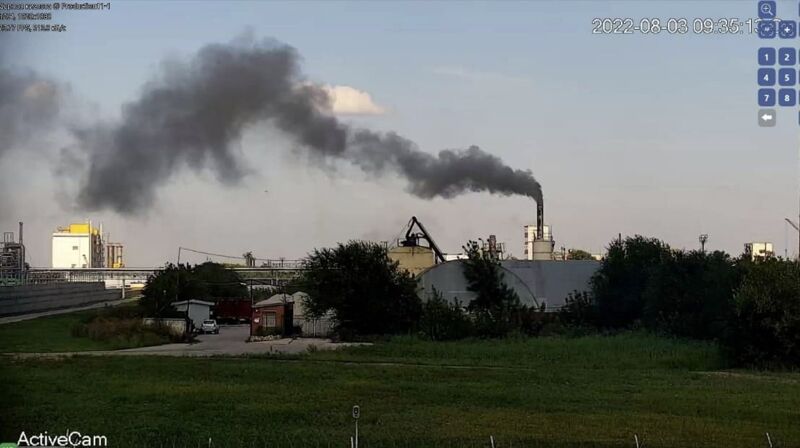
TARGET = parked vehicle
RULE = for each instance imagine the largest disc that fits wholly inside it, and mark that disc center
(209, 326)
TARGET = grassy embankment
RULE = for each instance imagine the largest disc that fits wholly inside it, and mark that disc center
(590, 391)
(97, 329)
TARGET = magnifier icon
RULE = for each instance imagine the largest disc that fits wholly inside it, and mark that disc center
(766, 10)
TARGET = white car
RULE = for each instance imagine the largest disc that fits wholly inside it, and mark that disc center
(209, 326)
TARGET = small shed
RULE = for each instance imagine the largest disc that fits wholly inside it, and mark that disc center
(287, 313)
(199, 310)
(273, 315)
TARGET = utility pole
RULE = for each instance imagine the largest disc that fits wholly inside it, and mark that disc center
(703, 238)
(251, 307)
(177, 293)
(797, 228)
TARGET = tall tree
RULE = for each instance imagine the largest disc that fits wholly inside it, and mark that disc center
(220, 281)
(173, 283)
(206, 281)
(766, 327)
(690, 294)
(365, 290)
(495, 304)
(620, 283)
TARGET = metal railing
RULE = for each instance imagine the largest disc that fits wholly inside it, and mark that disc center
(270, 271)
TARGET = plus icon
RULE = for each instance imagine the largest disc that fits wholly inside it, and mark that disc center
(787, 29)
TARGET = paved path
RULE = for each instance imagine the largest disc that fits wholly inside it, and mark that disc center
(231, 341)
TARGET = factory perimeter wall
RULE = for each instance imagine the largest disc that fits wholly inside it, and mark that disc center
(37, 298)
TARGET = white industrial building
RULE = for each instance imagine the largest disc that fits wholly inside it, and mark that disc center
(82, 245)
(759, 250)
(77, 246)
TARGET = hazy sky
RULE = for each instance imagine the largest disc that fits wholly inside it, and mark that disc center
(655, 135)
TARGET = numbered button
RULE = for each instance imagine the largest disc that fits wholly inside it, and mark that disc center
(766, 76)
(766, 56)
(787, 56)
(787, 97)
(766, 97)
(787, 77)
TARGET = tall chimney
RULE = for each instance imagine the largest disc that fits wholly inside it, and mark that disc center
(540, 220)
(21, 251)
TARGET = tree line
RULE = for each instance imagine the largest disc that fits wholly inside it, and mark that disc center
(750, 307)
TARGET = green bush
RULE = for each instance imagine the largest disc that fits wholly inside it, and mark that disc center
(442, 320)
(579, 310)
(264, 331)
(125, 332)
(765, 329)
(530, 321)
(690, 294)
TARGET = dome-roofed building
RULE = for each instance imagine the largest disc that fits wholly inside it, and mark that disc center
(535, 282)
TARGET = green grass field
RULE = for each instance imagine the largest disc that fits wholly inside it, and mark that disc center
(590, 391)
(54, 334)
(48, 334)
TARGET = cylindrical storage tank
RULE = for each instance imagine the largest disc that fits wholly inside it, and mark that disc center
(543, 249)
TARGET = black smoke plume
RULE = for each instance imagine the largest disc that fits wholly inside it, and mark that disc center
(194, 113)
(28, 105)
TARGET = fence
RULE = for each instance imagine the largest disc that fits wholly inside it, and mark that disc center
(316, 439)
(316, 328)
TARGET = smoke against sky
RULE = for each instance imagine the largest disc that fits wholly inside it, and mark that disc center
(193, 114)
(28, 104)
(452, 173)
(612, 161)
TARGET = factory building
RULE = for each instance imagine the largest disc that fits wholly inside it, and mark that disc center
(12, 258)
(535, 282)
(413, 259)
(757, 250)
(412, 256)
(114, 256)
(539, 241)
(82, 245)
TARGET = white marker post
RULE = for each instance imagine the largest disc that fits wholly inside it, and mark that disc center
(356, 414)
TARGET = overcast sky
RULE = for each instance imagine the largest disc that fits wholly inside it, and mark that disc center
(654, 135)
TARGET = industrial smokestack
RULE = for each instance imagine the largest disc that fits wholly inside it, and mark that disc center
(540, 220)
(20, 232)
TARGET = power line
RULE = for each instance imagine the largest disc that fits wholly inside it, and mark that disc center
(241, 257)
(210, 253)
